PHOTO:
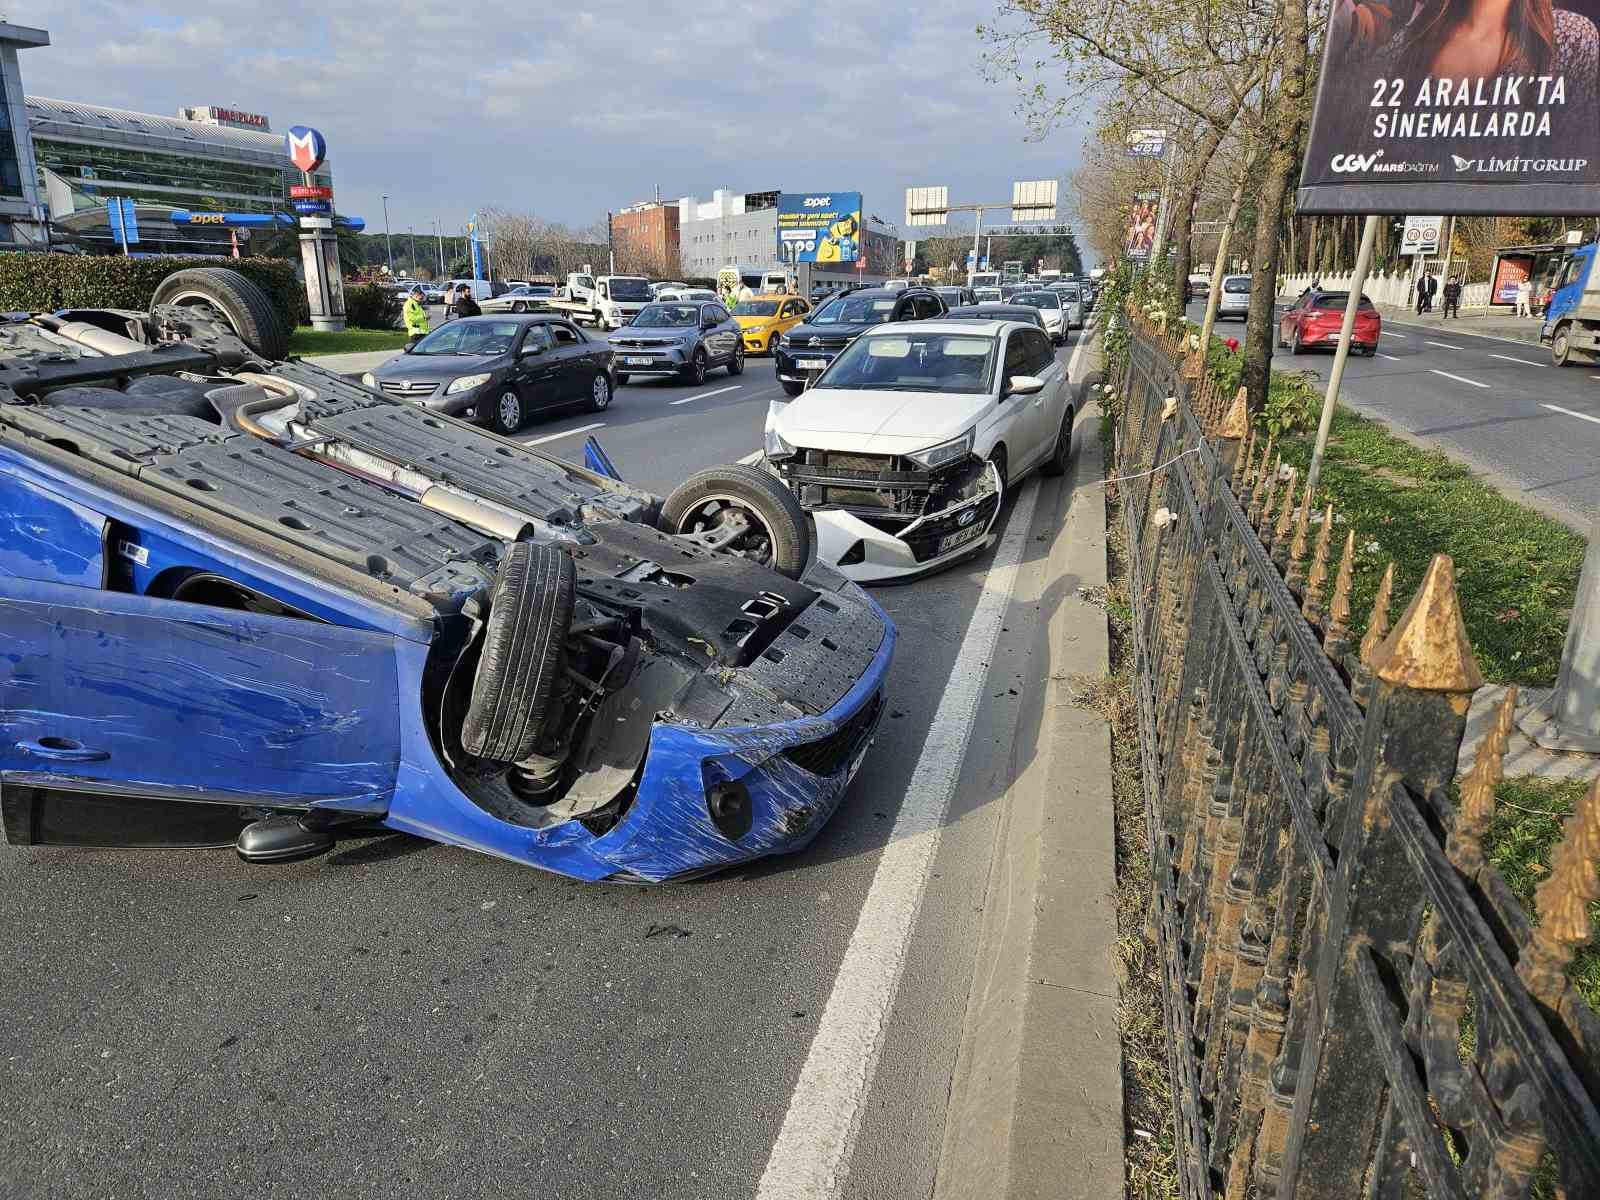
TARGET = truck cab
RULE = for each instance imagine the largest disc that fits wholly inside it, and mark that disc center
(1572, 321)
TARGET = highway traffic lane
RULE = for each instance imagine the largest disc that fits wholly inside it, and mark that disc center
(1484, 402)
(407, 1016)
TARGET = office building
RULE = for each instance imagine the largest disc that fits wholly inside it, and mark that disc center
(734, 229)
(645, 238)
(22, 213)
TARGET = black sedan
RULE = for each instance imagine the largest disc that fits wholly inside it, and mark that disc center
(808, 348)
(499, 371)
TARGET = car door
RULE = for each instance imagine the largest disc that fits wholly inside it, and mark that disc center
(127, 696)
(711, 337)
(1012, 411)
(1290, 319)
(538, 369)
(1039, 415)
(567, 356)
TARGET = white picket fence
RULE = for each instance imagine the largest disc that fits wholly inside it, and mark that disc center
(1382, 289)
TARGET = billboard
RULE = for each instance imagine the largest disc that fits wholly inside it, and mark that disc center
(1421, 235)
(1509, 271)
(1142, 224)
(1146, 143)
(819, 227)
(1421, 109)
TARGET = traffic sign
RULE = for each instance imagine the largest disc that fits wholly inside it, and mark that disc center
(306, 147)
(1033, 200)
(927, 205)
(313, 206)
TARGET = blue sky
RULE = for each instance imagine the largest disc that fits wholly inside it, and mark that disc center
(569, 110)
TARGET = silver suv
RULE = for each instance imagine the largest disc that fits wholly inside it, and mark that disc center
(1235, 298)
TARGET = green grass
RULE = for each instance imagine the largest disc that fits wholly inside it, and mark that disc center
(306, 340)
(1516, 569)
(1526, 827)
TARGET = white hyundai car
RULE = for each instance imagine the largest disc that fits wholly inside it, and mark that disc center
(905, 445)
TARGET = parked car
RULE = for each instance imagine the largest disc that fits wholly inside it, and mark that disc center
(1055, 314)
(522, 299)
(1234, 299)
(666, 286)
(481, 289)
(766, 319)
(691, 294)
(499, 371)
(1199, 286)
(806, 350)
(1024, 313)
(955, 297)
(246, 602)
(433, 293)
(685, 339)
(989, 295)
(903, 449)
(1314, 321)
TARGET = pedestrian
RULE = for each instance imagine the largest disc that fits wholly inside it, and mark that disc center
(1525, 298)
(1433, 290)
(449, 301)
(1452, 298)
(745, 294)
(1422, 293)
(416, 318)
(466, 306)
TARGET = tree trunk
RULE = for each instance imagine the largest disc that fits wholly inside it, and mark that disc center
(1282, 161)
(1189, 196)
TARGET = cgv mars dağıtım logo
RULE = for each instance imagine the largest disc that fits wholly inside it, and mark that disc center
(307, 148)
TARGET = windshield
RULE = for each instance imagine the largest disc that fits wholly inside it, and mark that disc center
(986, 294)
(624, 288)
(1338, 300)
(662, 316)
(856, 310)
(756, 308)
(1037, 300)
(1237, 285)
(914, 362)
(471, 336)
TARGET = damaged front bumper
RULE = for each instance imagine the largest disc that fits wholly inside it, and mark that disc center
(868, 553)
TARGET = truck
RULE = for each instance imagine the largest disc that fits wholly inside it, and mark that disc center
(1572, 319)
(604, 301)
(983, 279)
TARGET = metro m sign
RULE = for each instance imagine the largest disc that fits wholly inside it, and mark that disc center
(307, 148)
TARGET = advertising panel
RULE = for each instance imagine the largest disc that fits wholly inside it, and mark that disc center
(1461, 107)
(1421, 235)
(819, 227)
(1147, 143)
(1142, 224)
(1509, 270)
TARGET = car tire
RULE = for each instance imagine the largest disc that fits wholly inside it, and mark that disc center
(239, 301)
(1295, 345)
(1056, 464)
(695, 373)
(508, 412)
(760, 496)
(599, 393)
(517, 306)
(790, 388)
(772, 344)
(524, 651)
(736, 363)
(1561, 347)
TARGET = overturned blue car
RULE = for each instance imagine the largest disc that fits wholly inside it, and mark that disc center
(247, 602)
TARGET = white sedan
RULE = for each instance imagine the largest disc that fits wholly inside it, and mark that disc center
(903, 448)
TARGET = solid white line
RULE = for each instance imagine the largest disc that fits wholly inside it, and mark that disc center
(1570, 413)
(1525, 362)
(1442, 345)
(1390, 357)
(811, 1156)
(731, 388)
(1401, 336)
(552, 437)
(1458, 378)
(750, 460)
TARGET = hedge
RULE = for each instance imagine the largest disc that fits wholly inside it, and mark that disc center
(44, 282)
(371, 306)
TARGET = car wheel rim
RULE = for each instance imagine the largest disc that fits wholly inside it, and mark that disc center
(602, 391)
(699, 368)
(510, 410)
(738, 358)
(728, 524)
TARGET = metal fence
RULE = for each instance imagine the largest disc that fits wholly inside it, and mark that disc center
(1356, 1004)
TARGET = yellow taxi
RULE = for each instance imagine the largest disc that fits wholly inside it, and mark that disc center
(764, 318)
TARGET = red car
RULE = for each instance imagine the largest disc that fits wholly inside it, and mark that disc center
(1315, 320)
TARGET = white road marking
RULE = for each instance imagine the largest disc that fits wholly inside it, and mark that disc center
(1524, 361)
(1390, 357)
(1441, 345)
(1570, 413)
(703, 395)
(552, 437)
(811, 1156)
(1401, 336)
(751, 459)
(1458, 379)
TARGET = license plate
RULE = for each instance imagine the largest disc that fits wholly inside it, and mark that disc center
(811, 364)
(637, 362)
(959, 538)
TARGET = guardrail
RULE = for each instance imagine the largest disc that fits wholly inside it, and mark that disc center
(1356, 1004)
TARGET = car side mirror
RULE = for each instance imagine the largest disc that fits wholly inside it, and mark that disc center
(1023, 385)
(530, 351)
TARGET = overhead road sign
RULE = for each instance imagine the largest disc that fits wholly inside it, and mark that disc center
(1033, 200)
(927, 205)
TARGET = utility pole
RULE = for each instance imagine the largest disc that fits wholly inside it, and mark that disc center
(413, 231)
(438, 232)
(388, 246)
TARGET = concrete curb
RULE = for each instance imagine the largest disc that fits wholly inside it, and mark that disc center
(1036, 1099)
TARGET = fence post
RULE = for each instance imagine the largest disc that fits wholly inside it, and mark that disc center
(1424, 674)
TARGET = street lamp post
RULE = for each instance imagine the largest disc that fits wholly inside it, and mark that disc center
(413, 231)
(438, 232)
(388, 246)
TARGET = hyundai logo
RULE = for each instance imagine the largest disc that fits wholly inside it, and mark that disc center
(814, 342)
(967, 518)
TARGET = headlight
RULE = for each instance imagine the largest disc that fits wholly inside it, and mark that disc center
(466, 383)
(776, 447)
(944, 452)
(369, 380)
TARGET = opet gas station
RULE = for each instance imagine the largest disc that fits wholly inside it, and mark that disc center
(319, 248)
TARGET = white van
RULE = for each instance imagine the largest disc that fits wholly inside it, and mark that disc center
(481, 289)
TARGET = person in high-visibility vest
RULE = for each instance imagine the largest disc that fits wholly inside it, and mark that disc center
(416, 318)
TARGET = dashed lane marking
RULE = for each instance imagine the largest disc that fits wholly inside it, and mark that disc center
(1390, 357)
(1458, 378)
(1525, 362)
(1441, 345)
(705, 395)
(1570, 413)
(553, 437)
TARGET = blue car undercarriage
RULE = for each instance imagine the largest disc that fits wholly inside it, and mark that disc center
(246, 602)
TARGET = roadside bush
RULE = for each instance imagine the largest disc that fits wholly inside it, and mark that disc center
(371, 306)
(42, 282)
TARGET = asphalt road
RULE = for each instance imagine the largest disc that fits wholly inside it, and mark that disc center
(401, 1018)
(1497, 405)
